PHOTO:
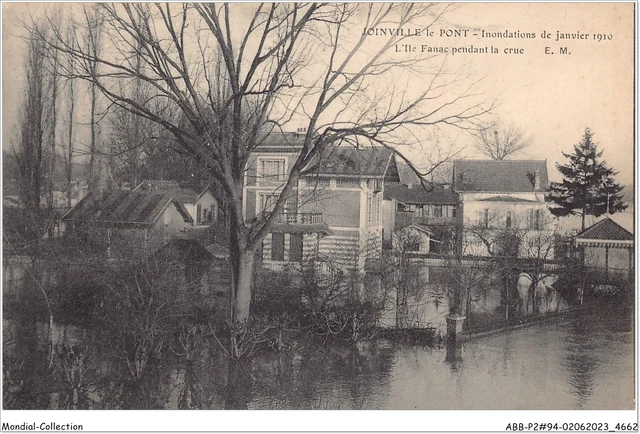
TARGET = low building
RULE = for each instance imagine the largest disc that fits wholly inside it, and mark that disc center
(607, 246)
(414, 239)
(200, 202)
(121, 223)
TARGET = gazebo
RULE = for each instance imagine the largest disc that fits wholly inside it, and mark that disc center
(607, 245)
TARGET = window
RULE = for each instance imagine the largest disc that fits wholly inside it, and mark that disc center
(295, 248)
(535, 219)
(267, 202)
(508, 221)
(376, 206)
(482, 217)
(198, 214)
(454, 211)
(437, 210)
(277, 246)
(272, 170)
(212, 213)
(369, 209)
(401, 207)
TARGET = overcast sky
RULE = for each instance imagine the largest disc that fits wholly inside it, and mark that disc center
(552, 97)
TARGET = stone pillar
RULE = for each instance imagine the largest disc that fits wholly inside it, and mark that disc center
(454, 329)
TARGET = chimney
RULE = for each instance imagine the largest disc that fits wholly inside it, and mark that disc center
(536, 180)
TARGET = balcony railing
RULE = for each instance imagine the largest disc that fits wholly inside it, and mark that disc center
(300, 218)
(405, 218)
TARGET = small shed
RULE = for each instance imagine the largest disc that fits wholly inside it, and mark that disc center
(415, 239)
(126, 222)
(608, 246)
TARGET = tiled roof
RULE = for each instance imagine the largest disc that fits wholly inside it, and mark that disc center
(184, 193)
(282, 139)
(440, 174)
(509, 176)
(504, 199)
(123, 208)
(606, 229)
(406, 174)
(418, 227)
(349, 161)
(436, 194)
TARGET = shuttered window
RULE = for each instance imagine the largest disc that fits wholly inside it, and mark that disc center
(277, 246)
(295, 250)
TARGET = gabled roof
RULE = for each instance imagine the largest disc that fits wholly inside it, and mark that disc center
(406, 174)
(124, 208)
(418, 194)
(417, 227)
(508, 176)
(606, 229)
(183, 192)
(349, 161)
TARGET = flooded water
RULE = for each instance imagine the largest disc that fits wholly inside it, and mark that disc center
(583, 363)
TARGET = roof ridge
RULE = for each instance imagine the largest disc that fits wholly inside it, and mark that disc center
(499, 161)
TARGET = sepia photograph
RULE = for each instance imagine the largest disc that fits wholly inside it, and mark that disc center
(319, 206)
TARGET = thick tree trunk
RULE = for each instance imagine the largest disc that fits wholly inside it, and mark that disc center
(239, 385)
(242, 286)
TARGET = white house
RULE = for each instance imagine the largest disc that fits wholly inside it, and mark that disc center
(501, 195)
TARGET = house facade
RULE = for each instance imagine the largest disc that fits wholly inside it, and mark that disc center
(335, 211)
(502, 197)
(200, 202)
(125, 223)
(347, 185)
(431, 206)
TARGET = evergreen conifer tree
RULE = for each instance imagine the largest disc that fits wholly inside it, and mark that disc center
(588, 186)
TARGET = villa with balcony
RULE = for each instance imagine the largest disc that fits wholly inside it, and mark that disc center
(426, 210)
(335, 211)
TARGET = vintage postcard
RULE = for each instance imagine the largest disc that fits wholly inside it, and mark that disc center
(342, 206)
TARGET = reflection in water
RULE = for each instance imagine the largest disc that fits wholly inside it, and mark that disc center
(581, 362)
(586, 362)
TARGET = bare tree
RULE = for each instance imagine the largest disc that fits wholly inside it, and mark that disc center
(30, 146)
(71, 101)
(238, 72)
(501, 142)
(93, 47)
(52, 60)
